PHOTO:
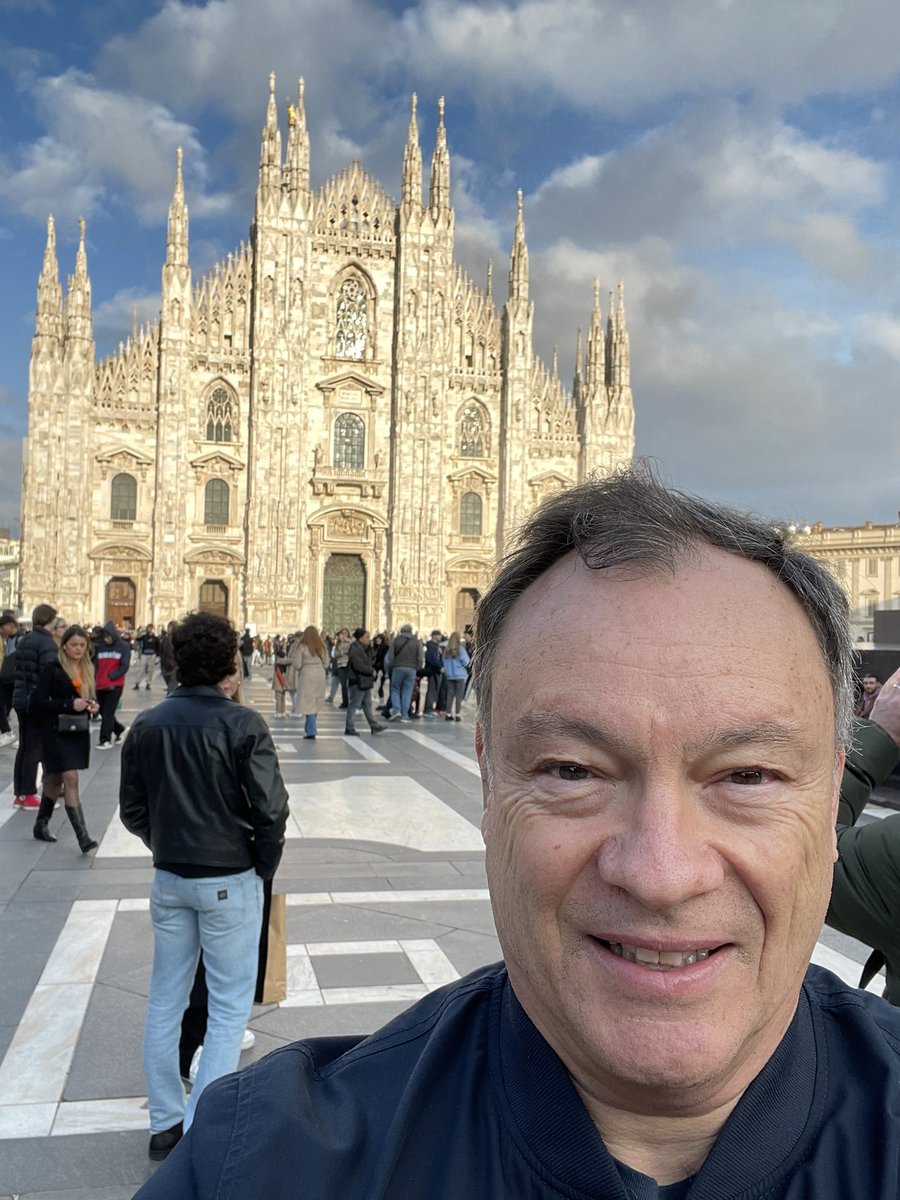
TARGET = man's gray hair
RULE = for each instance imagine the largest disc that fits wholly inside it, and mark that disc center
(631, 519)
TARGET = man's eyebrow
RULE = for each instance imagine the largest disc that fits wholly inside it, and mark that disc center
(777, 734)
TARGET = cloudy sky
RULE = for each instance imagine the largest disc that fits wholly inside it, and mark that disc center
(734, 161)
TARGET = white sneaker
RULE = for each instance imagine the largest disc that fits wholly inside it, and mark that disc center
(121, 735)
(104, 745)
(7, 739)
(248, 1040)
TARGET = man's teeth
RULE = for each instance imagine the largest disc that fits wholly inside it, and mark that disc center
(659, 960)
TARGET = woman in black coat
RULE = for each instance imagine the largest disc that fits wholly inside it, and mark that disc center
(65, 687)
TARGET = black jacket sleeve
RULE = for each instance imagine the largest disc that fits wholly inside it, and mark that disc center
(134, 802)
(266, 795)
(53, 694)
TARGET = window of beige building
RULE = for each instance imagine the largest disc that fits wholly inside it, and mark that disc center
(352, 320)
(216, 498)
(470, 509)
(220, 416)
(474, 431)
(123, 498)
(350, 442)
(871, 566)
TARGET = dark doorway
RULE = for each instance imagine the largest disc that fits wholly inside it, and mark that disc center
(466, 599)
(344, 603)
(120, 601)
(214, 597)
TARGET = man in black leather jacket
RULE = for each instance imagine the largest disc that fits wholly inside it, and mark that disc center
(36, 650)
(202, 788)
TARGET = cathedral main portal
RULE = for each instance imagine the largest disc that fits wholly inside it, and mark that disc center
(344, 602)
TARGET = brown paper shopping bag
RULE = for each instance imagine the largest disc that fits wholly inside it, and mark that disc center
(271, 981)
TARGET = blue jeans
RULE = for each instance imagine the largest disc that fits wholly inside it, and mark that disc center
(402, 682)
(221, 914)
(309, 725)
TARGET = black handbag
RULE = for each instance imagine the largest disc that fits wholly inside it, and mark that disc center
(75, 722)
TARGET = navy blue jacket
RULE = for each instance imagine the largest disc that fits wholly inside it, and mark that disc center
(460, 1098)
(36, 651)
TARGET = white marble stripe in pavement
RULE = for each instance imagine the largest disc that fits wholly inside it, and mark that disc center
(363, 749)
(37, 1062)
(875, 810)
(845, 968)
(438, 747)
(410, 896)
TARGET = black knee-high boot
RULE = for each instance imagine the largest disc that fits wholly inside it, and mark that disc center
(75, 814)
(42, 822)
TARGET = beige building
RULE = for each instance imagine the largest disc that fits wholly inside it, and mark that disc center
(866, 560)
(334, 425)
(9, 572)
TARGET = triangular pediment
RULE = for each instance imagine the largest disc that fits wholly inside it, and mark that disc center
(217, 460)
(123, 456)
(551, 478)
(352, 378)
(472, 473)
(214, 554)
(119, 550)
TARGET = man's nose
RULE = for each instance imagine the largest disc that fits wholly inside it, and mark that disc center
(660, 851)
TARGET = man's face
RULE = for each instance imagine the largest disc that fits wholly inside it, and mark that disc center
(870, 684)
(364, 639)
(8, 629)
(662, 784)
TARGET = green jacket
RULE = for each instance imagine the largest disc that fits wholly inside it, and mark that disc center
(865, 897)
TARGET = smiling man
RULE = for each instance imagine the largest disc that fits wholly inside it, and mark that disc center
(664, 697)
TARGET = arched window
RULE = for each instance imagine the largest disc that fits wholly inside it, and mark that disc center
(470, 515)
(349, 442)
(473, 432)
(220, 416)
(215, 509)
(352, 320)
(123, 498)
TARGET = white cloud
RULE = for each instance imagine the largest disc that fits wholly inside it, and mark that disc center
(618, 55)
(830, 242)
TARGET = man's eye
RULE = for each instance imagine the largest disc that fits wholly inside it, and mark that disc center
(749, 776)
(570, 772)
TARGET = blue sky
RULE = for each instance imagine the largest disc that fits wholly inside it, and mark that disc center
(734, 161)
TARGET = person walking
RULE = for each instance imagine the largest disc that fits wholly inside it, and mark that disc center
(64, 700)
(167, 667)
(8, 628)
(434, 669)
(405, 657)
(149, 644)
(281, 683)
(35, 651)
(111, 662)
(340, 658)
(360, 680)
(309, 658)
(202, 789)
(456, 663)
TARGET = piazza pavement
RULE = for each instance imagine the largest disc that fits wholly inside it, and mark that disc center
(386, 900)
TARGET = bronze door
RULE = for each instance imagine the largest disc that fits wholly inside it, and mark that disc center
(344, 603)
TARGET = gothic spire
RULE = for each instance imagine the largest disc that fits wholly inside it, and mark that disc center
(270, 150)
(49, 292)
(78, 294)
(296, 167)
(490, 281)
(518, 263)
(579, 358)
(177, 236)
(621, 364)
(439, 190)
(595, 373)
(412, 164)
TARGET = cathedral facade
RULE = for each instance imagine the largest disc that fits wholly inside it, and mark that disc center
(335, 426)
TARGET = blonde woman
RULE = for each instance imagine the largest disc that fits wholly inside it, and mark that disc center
(309, 659)
(65, 694)
(456, 663)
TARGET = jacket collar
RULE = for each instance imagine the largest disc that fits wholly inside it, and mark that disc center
(756, 1142)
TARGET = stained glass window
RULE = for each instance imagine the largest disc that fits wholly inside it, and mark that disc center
(473, 440)
(352, 325)
(219, 416)
(349, 441)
